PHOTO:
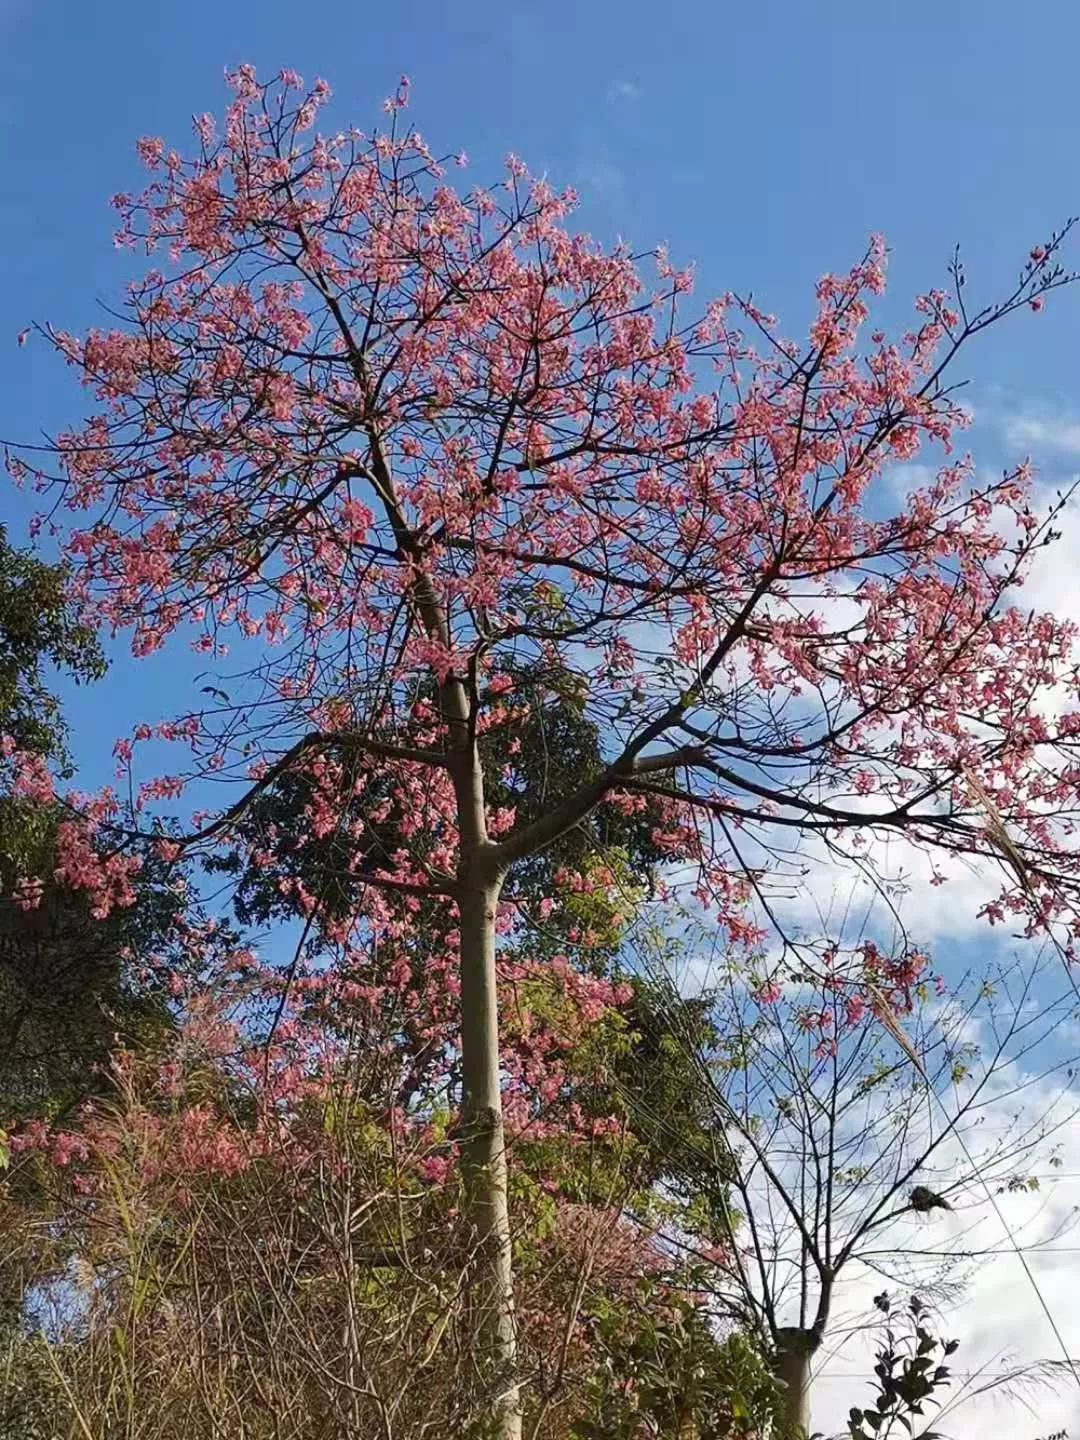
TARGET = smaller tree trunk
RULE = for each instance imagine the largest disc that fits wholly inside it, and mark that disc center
(795, 1348)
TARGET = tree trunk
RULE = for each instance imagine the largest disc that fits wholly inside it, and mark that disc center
(483, 1151)
(484, 1160)
(794, 1350)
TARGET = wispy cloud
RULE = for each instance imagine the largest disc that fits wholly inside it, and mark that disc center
(625, 90)
(600, 179)
(1059, 432)
(902, 480)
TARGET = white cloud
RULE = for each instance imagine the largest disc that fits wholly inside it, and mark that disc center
(964, 1261)
(1059, 432)
(1000, 1321)
(901, 480)
(625, 90)
(931, 914)
(1054, 583)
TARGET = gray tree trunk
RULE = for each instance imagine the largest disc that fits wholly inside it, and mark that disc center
(484, 1159)
(794, 1350)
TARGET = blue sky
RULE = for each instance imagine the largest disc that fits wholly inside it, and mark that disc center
(762, 140)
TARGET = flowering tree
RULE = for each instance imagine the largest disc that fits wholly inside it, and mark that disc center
(394, 444)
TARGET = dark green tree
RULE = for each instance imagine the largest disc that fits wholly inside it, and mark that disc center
(70, 986)
(531, 769)
(38, 629)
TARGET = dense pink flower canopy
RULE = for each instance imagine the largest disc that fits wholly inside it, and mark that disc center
(375, 433)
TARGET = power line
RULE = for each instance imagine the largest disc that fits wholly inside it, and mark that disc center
(1001, 1218)
(979, 1254)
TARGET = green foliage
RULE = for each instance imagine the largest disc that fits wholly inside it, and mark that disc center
(662, 1371)
(37, 628)
(668, 1160)
(68, 983)
(669, 1109)
(72, 988)
(910, 1375)
(530, 765)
